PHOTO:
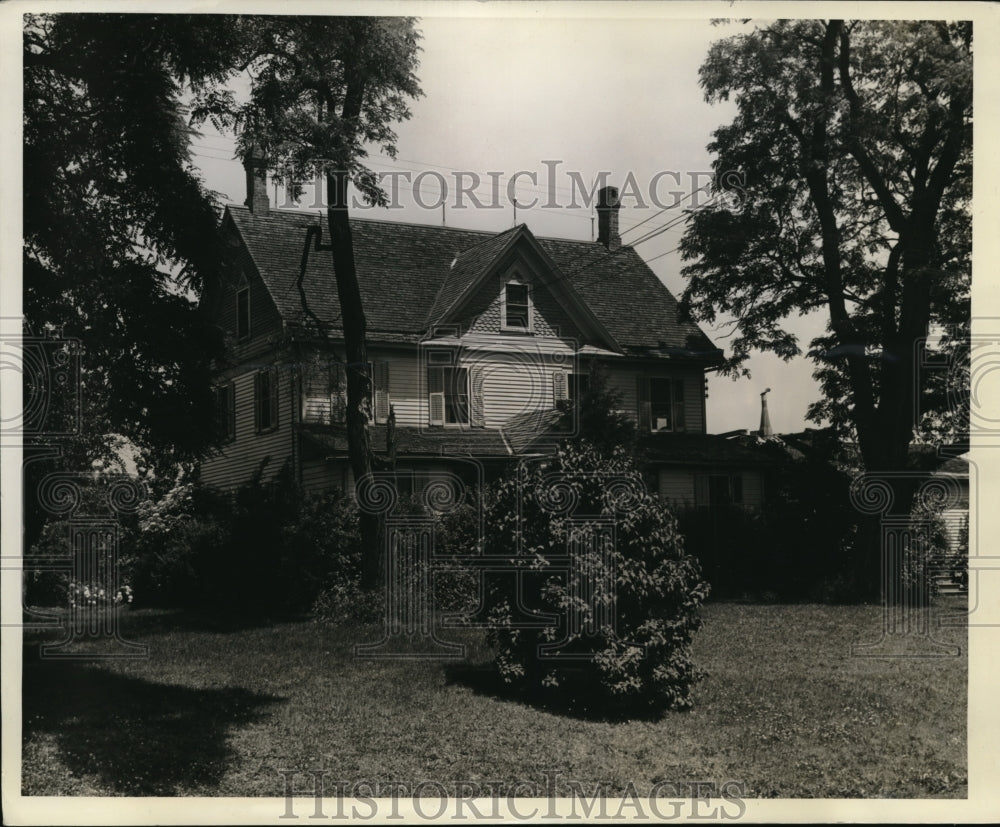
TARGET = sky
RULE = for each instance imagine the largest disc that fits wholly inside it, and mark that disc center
(564, 100)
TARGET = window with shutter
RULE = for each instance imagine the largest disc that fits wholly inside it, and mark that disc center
(448, 395)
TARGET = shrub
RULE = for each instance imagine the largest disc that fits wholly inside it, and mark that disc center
(172, 552)
(456, 588)
(638, 660)
(799, 547)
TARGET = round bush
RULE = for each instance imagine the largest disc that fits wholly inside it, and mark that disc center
(625, 611)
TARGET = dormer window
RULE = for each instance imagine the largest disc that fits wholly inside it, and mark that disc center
(516, 306)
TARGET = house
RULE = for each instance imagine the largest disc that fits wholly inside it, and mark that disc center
(473, 339)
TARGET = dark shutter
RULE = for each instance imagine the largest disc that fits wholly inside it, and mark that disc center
(273, 400)
(231, 411)
(257, 400)
(435, 395)
(477, 415)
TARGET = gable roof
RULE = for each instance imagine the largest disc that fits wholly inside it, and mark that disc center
(406, 279)
(466, 267)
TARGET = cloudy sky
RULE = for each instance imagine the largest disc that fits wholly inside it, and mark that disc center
(561, 101)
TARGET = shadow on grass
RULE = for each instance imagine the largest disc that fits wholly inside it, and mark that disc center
(142, 622)
(483, 679)
(137, 736)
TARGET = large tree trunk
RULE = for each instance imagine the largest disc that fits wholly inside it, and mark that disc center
(359, 395)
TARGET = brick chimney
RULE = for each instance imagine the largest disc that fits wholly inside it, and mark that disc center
(256, 166)
(607, 218)
(765, 420)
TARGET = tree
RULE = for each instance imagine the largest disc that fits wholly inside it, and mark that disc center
(325, 89)
(852, 144)
(119, 233)
(599, 419)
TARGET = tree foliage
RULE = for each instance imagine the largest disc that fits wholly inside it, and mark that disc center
(119, 231)
(852, 141)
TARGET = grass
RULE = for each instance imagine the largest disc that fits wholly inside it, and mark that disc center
(219, 709)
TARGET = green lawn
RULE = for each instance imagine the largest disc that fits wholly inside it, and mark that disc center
(785, 710)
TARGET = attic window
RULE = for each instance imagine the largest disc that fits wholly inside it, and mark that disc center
(516, 306)
(243, 313)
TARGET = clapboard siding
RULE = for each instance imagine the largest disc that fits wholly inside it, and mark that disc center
(324, 475)
(516, 383)
(513, 386)
(677, 487)
(237, 461)
(625, 379)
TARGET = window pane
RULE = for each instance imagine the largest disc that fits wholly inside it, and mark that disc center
(456, 396)
(517, 294)
(517, 306)
(661, 404)
(435, 379)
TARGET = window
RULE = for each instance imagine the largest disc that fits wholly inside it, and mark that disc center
(324, 394)
(712, 490)
(579, 384)
(569, 387)
(266, 400)
(516, 306)
(662, 404)
(378, 372)
(448, 394)
(225, 412)
(243, 313)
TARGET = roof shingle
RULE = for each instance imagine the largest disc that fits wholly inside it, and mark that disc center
(407, 280)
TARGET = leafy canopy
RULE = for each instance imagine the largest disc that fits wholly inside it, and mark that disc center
(119, 231)
(852, 144)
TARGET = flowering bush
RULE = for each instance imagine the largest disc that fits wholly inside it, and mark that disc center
(626, 611)
(92, 594)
